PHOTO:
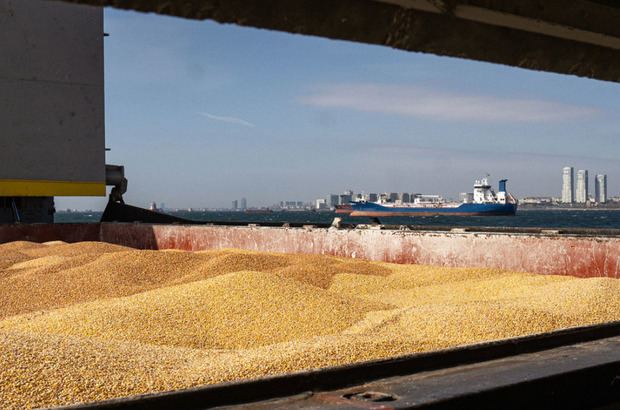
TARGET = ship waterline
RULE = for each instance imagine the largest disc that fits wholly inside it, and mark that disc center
(461, 210)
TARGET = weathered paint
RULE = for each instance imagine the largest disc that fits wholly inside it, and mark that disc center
(547, 254)
(581, 256)
(51, 99)
(70, 232)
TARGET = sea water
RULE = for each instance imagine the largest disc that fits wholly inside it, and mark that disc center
(525, 218)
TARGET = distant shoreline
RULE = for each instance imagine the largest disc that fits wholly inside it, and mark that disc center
(562, 208)
(522, 207)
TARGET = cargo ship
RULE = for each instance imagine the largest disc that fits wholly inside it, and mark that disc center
(482, 202)
(258, 211)
(343, 209)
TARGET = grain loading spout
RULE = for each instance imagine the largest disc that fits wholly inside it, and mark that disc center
(117, 211)
(115, 175)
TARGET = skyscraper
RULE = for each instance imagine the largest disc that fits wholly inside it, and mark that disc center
(244, 204)
(333, 200)
(234, 204)
(568, 186)
(600, 188)
(581, 195)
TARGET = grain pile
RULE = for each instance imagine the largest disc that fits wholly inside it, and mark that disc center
(92, 321)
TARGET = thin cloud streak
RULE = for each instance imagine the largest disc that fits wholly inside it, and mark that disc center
(231, 120)
(413, 101)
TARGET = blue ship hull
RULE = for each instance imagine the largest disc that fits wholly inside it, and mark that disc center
(373, 209)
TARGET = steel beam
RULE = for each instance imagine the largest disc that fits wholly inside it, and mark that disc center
(579, 37)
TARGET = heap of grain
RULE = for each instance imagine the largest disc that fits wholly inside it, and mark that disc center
(93, 321)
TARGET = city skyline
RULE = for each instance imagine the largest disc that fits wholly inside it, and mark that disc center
(578, 192)
(570, 191)
(567, 195)
(200, 113)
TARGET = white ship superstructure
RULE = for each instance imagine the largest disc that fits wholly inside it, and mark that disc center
(483, 194)
(483, 201)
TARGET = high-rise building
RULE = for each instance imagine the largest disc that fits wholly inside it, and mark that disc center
(600, 188)
(244, 204)
(568, 185)
(403, 196)
(581, 193)
(234, 205)
(333, 200)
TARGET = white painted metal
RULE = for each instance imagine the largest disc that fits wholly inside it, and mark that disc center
(483, 194)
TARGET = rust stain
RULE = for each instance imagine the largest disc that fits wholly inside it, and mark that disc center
(570, 255)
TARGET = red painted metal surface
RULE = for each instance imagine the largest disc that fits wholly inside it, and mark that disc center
(580, 256)
(70, 232)
(140, 236)
(559, 255)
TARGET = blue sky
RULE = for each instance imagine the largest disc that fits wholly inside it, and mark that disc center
(202, 113)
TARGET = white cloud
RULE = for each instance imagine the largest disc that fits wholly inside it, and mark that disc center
(413, 101)
(232, 120)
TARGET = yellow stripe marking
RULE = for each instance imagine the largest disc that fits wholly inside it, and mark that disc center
(22, 187)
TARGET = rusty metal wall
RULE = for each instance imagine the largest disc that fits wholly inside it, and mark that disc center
(581, 256)
(546, 254)
(70, 232)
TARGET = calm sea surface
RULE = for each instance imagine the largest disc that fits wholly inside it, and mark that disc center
(544, 219)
